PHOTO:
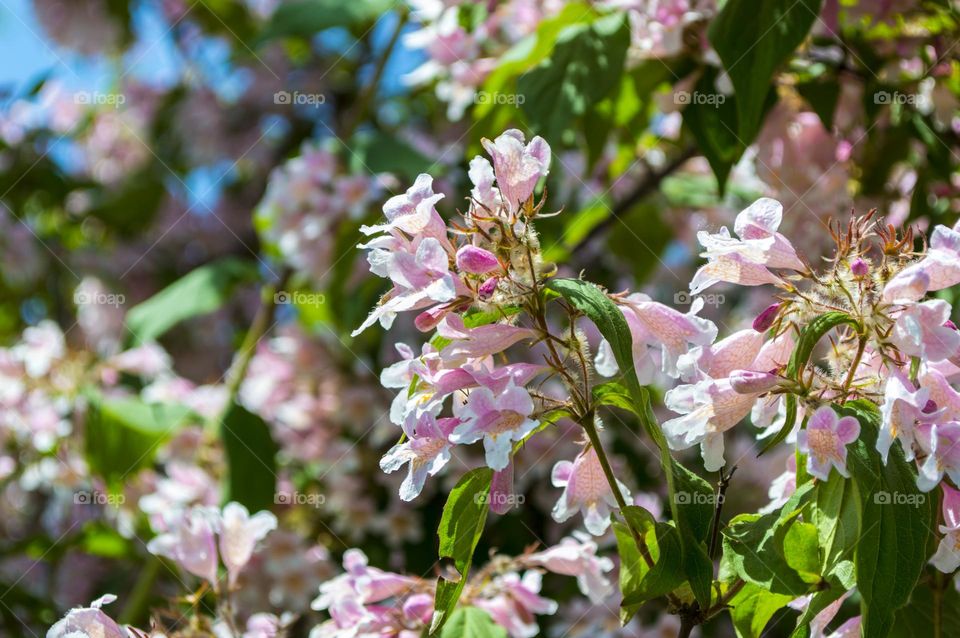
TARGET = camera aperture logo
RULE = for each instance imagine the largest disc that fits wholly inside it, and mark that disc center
(697, 498)
(500, 499)
(96, 497)
(299, 298)
(899, 498)
(85, 298)
(685, 298)
(311, 499)
(296, 98)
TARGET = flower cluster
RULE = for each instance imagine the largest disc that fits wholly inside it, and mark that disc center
(306, 198)
(370, 601)
(891, 344)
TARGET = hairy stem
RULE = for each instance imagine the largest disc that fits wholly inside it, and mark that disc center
(591, 429)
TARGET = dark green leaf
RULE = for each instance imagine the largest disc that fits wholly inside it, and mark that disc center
(822, 96)
(376, 152)
(304, 18)
(692, 517)
(638, 582)
(896, 523)
(584, 67)
(753, 39)
(713, 125)
(251, 459)
(461, 526)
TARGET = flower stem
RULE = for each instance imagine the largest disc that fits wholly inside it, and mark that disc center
(591, 429)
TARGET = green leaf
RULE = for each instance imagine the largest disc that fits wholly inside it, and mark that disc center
(836, 515)
(823, 97)
(251, 477)
(377, 152)
(199, 292)
(916, 619)
(713, 125)
(613, 394)
(638, 582)
(811, 335)
(755, 548)
(529, 52)
(304, 18)
(470, 622)
(121, 435)
(753, 607)
(461, 526)
(896, 523)
(584, 67)
(802, 550)
(753, 39)
(692, 517)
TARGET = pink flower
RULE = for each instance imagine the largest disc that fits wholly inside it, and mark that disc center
(40, 347)
(413, 213)
(88, 621)
(901, 408)
(765, 319)
(346, 594)
(939, 268)
(427, 450)
(518, 168)
(475, 343)
(825, 441)
(752, 382)
(657, 330)
(577, 556)
(941, 442)
(499, 419)
(191, 543)
(502, 497)
(476, 260)
(746, 260)
(585, 489)
(921, 330)
(947, 556)
(421, 277)
(711, 405)
(515, 602)
(239, 534)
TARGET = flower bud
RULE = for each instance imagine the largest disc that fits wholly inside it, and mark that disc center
(766, 318)
(476, 260)
(752, 382)
(428, 319)
(487, 288)
(859, 267)
(949, 324)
